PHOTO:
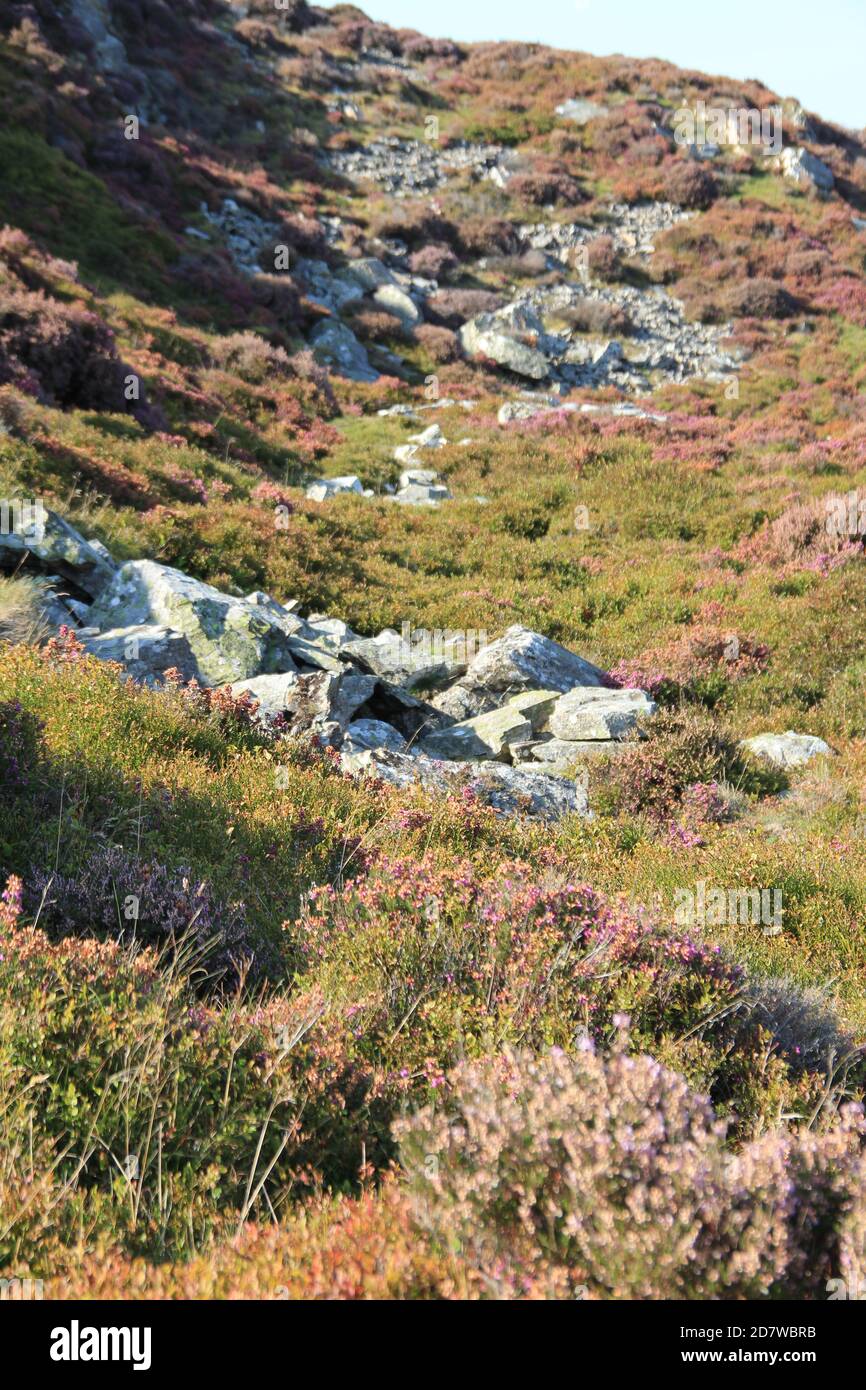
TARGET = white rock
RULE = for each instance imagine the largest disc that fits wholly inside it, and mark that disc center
(786, 750)
(599, 714)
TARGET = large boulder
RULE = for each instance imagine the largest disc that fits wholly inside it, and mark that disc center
(324, 488)
(335, 345)
(230, 638)
(521, 660)
(584, 714)
(510, 790)
(798, 165)
(395, 301)
(271, 692)
(488, 336)
(363, 734)
(327, 697)
(415, 657)
(31, 529)
(786, 750)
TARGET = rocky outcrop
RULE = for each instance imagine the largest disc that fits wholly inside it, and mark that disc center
(32, 533)
(800, 166)
(521, 660)
(229, 638)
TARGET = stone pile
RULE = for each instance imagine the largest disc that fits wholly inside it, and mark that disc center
(514, 719)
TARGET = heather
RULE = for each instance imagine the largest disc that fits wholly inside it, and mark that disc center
(272, 1029)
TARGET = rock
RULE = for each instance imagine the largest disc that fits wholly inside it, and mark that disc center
(510, 790)
(486, 736)
(333, 292)
(393, 300)
(412, 658)
(324, 488)
(327, 697)
(399, 769)
(333, 630)
(420, 494)
(422, 477)
(230, 638)
(797, 164)
(371, 274)
(521, 660)
(270, 691)
(535, 705)
(336, 345)
(562, 752)
(484, 337)
(599, 714)
(365, 734)
(431, 438)
(579, 110)
(29, 528)
(517, 791)
(145, 650)
(786, 750)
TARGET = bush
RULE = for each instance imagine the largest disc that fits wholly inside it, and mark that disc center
(452, 308)
(597, 316)
(690, 185)
(436, 261)
(686, 748)
(116, 895)
(439, 343)
(614, 1173)
(548, 182)
(62, 353)
(760, 298)
(250, 357)
(509, 957)
(602, 257)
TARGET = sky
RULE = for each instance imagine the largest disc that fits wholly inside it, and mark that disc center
(814, 53)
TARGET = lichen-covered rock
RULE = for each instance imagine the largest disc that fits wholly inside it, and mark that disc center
(485, 336)
(329, 487)
(230, 638)
(786, 750)
(521, 660)
(487, 736)
(797, 164)
(412, 658)
(29, 528)
(510, 790)
(327, 697)
(336, 345)
(599, 714)
(145, 651)
(270, 691)
(364, 734)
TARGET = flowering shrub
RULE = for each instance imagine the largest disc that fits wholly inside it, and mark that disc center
(613, 1170)
(690, 184)
(20, 740)
(656, 776)
(435, 963)
(117, 895)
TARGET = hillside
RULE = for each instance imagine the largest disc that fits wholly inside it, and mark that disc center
(432, 690)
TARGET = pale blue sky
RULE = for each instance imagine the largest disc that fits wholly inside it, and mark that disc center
(814, 52)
